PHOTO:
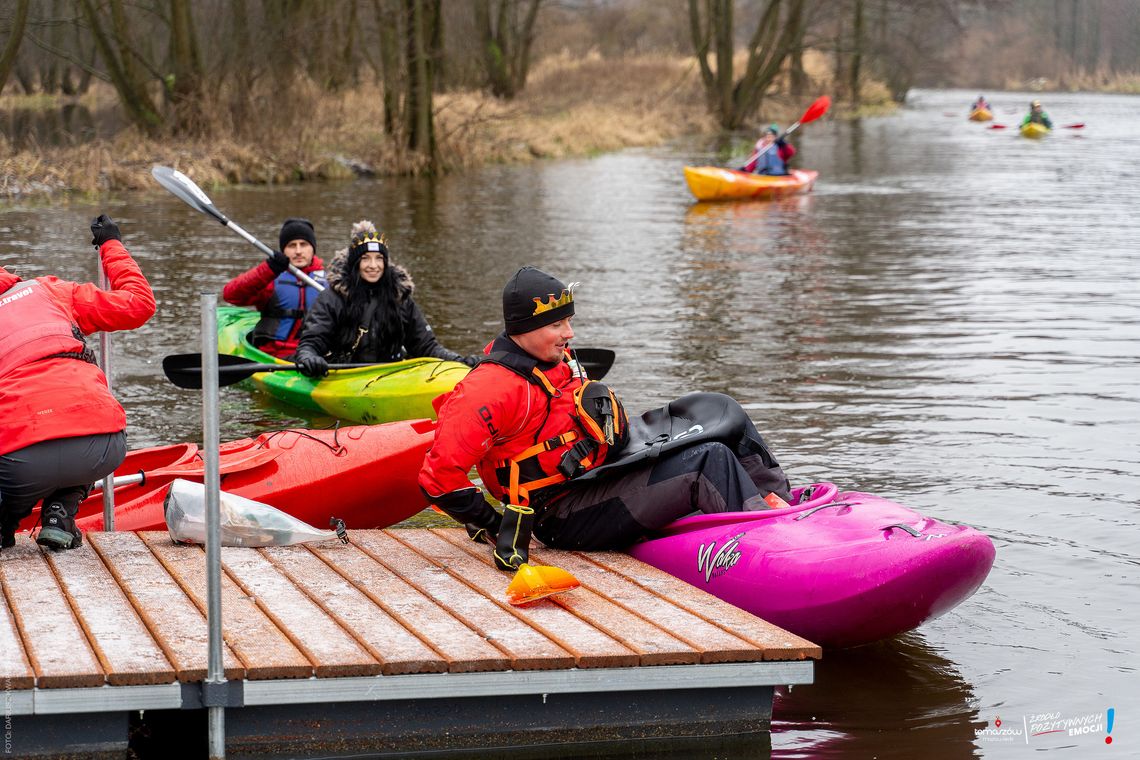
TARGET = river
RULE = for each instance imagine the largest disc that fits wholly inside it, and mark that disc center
(950, 320)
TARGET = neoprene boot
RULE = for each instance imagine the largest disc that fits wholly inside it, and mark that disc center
(58, 530)
(513, 547)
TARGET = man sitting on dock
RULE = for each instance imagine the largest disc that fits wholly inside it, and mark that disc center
(550, 444)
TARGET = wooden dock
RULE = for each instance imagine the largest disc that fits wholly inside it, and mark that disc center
(360, 638)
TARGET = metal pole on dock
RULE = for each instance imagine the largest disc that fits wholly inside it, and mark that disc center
(215, 672)
(105, 365)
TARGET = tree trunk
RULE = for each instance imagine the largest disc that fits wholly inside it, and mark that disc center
(506, 42)
(857, 54)
(121, 66)
(421, 132)
(388, 22)
(15, 37)
(185, 92)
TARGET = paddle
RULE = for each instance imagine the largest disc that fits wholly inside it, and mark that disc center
(193, 468)
(813, 112)
(184, 188)
(185, 370)
(1078, 125)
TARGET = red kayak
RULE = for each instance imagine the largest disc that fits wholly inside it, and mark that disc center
(311, 474)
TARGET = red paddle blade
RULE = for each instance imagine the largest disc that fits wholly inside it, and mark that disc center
(816, 109)
(1078, 125)
(997, 126)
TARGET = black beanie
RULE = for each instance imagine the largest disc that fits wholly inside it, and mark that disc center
(533, 299)
(296, 229)
(362, 243)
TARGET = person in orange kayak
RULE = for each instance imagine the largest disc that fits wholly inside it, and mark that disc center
(281, 297)
(771, 155)
(981, 104)
(367, 314)
(1037, 115)
(557, 449)
(62, 429)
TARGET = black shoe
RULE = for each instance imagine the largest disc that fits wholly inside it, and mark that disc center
(58, 529)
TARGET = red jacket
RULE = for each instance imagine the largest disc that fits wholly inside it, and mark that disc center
(495, 414)
(53, 397)
(257, 287)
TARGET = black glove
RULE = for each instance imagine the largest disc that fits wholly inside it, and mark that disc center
(278, 262)
(311, 365)
(471, 360)
(103, 229)
(470, 508)
(513, 546)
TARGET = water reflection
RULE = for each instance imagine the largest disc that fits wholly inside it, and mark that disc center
(882, 700)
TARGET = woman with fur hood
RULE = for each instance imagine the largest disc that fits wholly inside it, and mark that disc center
(367, 314)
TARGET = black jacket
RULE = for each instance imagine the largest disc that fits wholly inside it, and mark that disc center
(327, 334)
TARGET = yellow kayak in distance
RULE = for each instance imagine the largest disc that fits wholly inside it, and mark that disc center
(714, 183)
(1034, 130)
(981, 114)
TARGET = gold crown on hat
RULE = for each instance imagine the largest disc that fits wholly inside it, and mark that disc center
(370, 236)
(552, 303)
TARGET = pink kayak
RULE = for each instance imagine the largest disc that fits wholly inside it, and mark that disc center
(839, 569)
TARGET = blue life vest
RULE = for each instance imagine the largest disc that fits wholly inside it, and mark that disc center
(281, 317)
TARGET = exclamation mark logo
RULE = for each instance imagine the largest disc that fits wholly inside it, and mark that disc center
(1111, 715)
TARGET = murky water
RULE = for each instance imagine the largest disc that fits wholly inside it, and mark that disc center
(950, 320)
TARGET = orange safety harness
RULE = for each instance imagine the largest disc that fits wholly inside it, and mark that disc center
(602, 427)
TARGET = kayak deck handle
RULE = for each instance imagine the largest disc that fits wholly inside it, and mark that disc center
(811, 512)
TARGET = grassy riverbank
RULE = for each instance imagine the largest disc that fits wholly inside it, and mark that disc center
(570, 107)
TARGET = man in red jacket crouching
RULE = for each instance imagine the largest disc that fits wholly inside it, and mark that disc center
(62, 429)
(558, 451)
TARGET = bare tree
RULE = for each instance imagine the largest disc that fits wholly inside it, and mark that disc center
(121, 57)
(418, 101)
(506, 36)
(15, 37)
(777, 34)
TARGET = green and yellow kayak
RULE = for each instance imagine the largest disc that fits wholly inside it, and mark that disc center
(1034, 130)
(379, 393)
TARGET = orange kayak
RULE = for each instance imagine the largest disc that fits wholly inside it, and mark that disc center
(981, 114)
(713, 183)
(363, 474)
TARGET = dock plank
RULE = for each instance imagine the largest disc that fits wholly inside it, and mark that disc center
(654, 645)
(55, 643)
(265, 651)
(528, 648)
(714, 643)
(15, 670)
(591, 647)
(173, 619)
(777, 643)
(463, 649)
(396, 648)
(123, 644)
(329, 647)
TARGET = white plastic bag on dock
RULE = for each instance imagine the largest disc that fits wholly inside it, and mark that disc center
(244, 522)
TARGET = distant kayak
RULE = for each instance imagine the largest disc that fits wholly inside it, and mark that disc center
(981, 114)
(1034, 130)
(839, 569)
(714, 183)
(379, 393)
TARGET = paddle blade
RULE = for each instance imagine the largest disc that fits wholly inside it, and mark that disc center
(1078, 125)
(185, 370)
(595, 361)
(816, 109)
(998, 126)
(534, 582)
(184, 189)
